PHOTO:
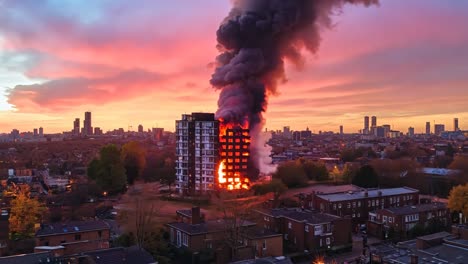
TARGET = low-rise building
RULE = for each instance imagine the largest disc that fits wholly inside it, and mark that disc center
(401, 220)
(358, 204)
(75, 237)
(306, 230)
(194, 234)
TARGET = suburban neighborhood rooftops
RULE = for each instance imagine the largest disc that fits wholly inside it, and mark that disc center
(345, 196)
(301, 215)
(71, 227)
(411, 209)
(210, 226)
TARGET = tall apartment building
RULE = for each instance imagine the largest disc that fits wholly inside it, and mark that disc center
(438, 129)
(374, 121)
(76, 126)
(197, 147)
(428, 128)
(455, 124)
(87, 127)
(366, 125)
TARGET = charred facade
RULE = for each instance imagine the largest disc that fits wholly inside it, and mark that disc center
(234, 155)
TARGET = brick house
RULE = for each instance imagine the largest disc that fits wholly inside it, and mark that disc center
(357, 205)
(307, 230)
(194, 234)
(403, 219)
(75, 237)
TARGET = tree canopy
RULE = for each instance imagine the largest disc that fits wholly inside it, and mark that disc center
(25, 213)
(366, 177)
(291, 174)
(134, 160)
(108, 170)
(458, 199)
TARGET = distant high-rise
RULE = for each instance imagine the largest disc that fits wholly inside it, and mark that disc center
(97, 131)
(387, 129)
(87, 127)
(455, 124)
(374, 121)
(366, 125)
(438, 129)
(341, 130)
(35, 132)
(76, 127)
(41, 131)
(411, 131)
(428, 128)
(140, 128)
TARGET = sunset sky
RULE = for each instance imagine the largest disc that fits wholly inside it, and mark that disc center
(148, 62)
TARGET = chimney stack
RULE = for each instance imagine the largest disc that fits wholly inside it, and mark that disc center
(196, 217)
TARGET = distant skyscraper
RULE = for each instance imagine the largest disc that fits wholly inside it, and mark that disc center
(374, 121)
(428, 128)
(366, 125)
(455, 124)
(287, 132)
(140, 128)
(97, 131)
(438, 129)
(76, 127)
(411, 131)
(387, 129)
(379, 131)
(41, 131)
(341, 130)
(35, 132)
(87, 127)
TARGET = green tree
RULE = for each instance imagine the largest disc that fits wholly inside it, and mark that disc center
(134, 160)
(349, 171)
(314, 170)
(366, 177)
(276, 187)
(108, 171)
(458, 199)
(291, 174)
(25, 213)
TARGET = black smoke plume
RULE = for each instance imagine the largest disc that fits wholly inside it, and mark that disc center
(255, 39)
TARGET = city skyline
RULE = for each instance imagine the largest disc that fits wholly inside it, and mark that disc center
(405, 80)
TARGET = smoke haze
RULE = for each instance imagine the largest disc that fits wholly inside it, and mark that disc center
(255, 40)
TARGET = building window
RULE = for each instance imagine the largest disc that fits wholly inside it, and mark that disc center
(185, 239)
(264, 245)
(286, 236)
(349, 205)
(339, 205)
(359, 204)
(99, 234)
(328, 241)
(78, 237)
(321, 243)
(307, 228)
(334, 206)
(289, 225)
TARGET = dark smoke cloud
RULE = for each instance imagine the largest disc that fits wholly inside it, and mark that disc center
(255, 39)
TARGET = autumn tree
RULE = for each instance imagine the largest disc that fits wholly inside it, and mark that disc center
(349, 171)
(134, 159)
(458, 199)
(108, 170)
(25, 213)
(366, 177)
